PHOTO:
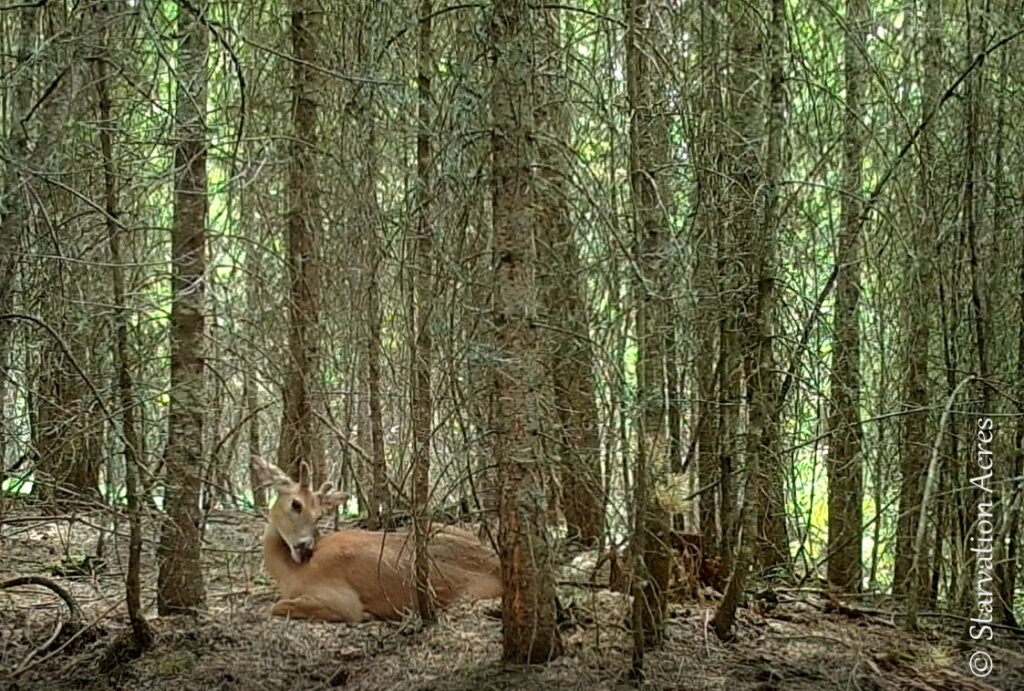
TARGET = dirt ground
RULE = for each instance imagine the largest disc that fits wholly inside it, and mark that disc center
(791, 644)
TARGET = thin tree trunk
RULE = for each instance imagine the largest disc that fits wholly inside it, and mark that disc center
(250, 396)
(180, 587)
(297, 451)
(1005, 562)
(379, 513)
(915, 315)
(708, 305)
(363, 436)
(730, 372)
(107, 125)
(422, 346)
(650, 195)
(773, 536)
(845, 494)
(974, 186)
(674, 385)
(250, 383)
(754, 227)
(1011, 569)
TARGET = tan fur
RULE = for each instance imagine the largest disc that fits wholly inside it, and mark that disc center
(353, 573)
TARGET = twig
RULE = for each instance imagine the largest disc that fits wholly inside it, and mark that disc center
(49, 641)
(70, 640)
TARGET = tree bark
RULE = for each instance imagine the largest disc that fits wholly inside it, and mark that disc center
(530, 633)
(708, 308)
(250, 396)
(13, 213)
(568, 346)
(422, 345)
(753, 197)
(180, 587)
(845, 493)
(379, 512)
(764, 400)
(914, 445)
(67, 472)
(650, 200)
(125, 387)
(297, 453)
(975, 185)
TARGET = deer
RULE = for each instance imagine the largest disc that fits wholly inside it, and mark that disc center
(354, 574)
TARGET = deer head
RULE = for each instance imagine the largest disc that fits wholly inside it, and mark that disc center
(297, 509)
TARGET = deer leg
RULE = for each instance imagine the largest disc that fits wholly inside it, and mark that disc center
(294, 608)
(340, 606)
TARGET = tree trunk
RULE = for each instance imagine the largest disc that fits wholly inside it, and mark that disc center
(650, 198)
(379, 513)
(180, 587)
(68, 453)
(707, 305)
(1011, 567)
(975, 184)
(13, 213)
(753, 199)
(530, 633)
(914, 443)
(763, 400)
(250, 396)
(568, 349)
(125, 387)
(297, 451)
(1006, 553)
(67, 474)
(422, 345)
(845, 490)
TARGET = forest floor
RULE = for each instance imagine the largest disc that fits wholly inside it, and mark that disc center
(792, 644)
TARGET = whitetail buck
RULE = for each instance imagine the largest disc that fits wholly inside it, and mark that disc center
(344, 575)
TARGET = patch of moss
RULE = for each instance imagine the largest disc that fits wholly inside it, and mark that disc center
(173, 663)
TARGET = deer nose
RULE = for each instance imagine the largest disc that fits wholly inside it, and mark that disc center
(302, 551)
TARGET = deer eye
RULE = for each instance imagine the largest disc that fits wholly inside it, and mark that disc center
(296, 506)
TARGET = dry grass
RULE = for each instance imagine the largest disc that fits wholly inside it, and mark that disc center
(237, 645)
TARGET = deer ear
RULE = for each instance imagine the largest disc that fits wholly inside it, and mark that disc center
(270, 474)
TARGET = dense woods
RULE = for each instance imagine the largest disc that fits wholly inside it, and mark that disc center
(727, 293)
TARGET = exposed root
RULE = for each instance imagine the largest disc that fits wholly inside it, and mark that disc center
(69, 600)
